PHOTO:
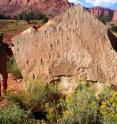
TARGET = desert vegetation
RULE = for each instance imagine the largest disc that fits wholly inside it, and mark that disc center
(44, 104)
(16, 26)
(105, 19)
(13, 68)
(32, 16)
(114, 28)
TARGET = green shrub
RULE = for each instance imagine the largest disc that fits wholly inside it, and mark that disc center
(14, 115)
(36, 90)
(80, 107)
(21, 99)
(108, 106)
(13, 68)
(39, 98)
(32, 16)
(114, 28)
(105, 19)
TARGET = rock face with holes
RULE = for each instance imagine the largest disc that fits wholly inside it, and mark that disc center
(69, 47)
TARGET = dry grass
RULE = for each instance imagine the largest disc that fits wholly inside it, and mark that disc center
(12, 26)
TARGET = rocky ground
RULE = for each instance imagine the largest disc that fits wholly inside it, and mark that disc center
(13, 86)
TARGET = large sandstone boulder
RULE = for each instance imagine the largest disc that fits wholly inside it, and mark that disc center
(72, 45)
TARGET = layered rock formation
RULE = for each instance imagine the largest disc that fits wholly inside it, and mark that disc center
(115, 16)
(12, 8)
(100, 11)
(72, 45)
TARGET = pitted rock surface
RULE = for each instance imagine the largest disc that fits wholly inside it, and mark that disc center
(74, 44)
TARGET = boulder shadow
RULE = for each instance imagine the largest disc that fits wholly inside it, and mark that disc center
(113, 40)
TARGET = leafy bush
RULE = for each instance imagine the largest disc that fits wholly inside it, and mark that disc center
(108, 106)
(36, 90)
(13, 68)
(114, 28)
(82, 107)
(37, 99)
(48, 105)
(21, 99)
(32, 16)
(105, 19)
(14, 115)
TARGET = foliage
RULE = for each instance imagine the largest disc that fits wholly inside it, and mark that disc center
(37, 99)
(12, 114)
(13, 68)
(105, 19)
(14, 26)
(48, 105)
(21, 99)
(36, 90)
(114, 28)
(82, 107)
(108, 106)
(32, 16)
(2, 17)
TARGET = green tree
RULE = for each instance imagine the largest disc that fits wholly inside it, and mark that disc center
(105, 19)
(114, 28)
(27, 16)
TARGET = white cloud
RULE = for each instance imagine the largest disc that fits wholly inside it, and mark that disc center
(96, 2)
(101, 2)
(74, 1)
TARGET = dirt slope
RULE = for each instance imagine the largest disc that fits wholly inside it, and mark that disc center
(13, 86)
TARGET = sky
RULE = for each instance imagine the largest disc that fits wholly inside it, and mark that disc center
(112, 4)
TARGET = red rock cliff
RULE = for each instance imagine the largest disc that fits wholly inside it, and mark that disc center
(115, 16)
(100, 11)
(14, 7)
